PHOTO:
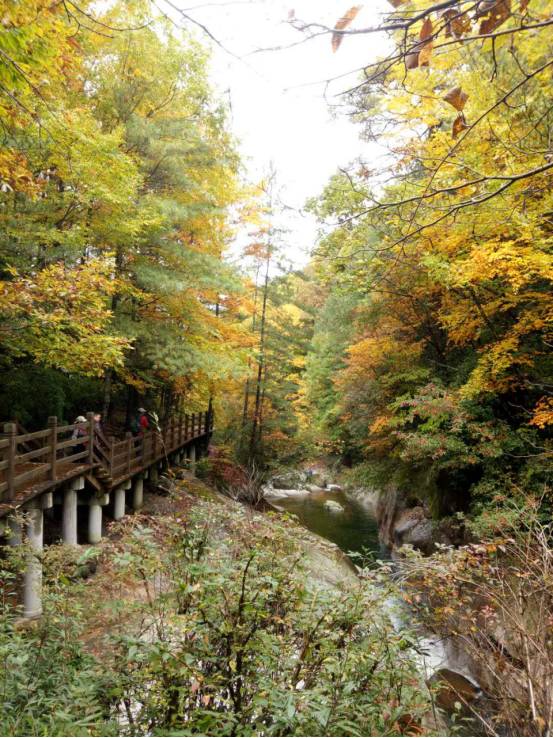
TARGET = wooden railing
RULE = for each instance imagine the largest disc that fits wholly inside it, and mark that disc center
(32, 462)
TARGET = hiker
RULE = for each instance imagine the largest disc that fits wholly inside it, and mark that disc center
(98, 422)
(140, 423)
(78, 432)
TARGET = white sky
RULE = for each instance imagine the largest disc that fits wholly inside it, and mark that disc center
(274, 119)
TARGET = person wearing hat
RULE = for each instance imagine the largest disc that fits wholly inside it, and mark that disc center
(141, 422)
(79, 431)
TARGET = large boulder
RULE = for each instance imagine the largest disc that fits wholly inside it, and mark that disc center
(452, 689)
(421, 536)
(413, 527)
(313, 488)
(270, 492)
(404, 521)
(289, 480)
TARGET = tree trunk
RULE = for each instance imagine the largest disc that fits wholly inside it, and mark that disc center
(108, 374)
(261, 359)
(247, 385)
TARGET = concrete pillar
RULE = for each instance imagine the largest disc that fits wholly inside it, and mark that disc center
(138, 492)
(70, 502)
(32, 580)
(69, 520)
(94, 521)
(192, 458)
(119, 503)
(154, 475)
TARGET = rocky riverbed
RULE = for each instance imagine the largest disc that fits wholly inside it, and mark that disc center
(361, 521)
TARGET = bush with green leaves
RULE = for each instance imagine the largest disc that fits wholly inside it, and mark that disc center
(239, 641)
(49, 684)
(212, 623)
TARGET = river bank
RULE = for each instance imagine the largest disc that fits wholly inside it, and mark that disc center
(356, 521)
(481, 609)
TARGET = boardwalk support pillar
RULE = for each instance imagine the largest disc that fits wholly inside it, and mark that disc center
(192, 458)
(138, 492)
(94, 520)
(119, 503)
(70, 502)
(32, 581)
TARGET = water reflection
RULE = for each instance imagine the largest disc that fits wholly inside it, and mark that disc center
(353, 528)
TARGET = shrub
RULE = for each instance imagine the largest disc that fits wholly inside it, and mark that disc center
(243, 646)
(49, 685)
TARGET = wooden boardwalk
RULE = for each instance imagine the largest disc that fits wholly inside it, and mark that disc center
(34, 463)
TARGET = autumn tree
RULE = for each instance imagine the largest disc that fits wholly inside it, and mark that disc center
(448, 381)
(117, 165)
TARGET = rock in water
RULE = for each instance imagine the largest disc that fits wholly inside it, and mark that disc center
(334, 488)
(333, 506)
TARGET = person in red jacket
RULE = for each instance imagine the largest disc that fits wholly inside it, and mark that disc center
(141, 423)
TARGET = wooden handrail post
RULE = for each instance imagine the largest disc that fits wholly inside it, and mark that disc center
(53, 426)
(193, 424)
(129, 438)
(10, 430)
(186, 426)
(90, 421)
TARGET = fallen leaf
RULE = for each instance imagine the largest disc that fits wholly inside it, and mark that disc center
(457, 98)
(396, 3)
(342, 24)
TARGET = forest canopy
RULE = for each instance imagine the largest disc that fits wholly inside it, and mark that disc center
(118, 175)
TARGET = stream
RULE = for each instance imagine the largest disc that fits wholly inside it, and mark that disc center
(350, 523)
(353, 529)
